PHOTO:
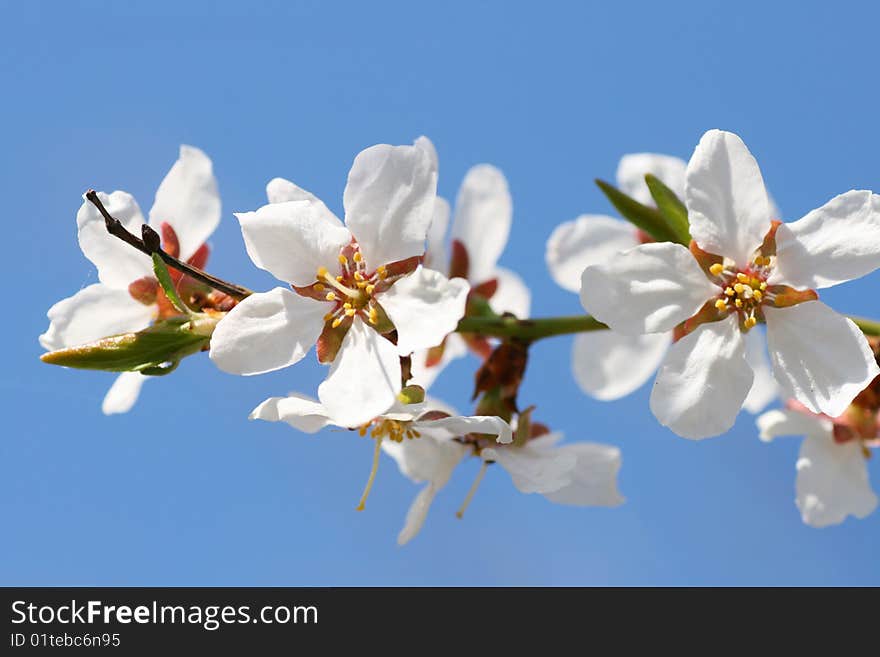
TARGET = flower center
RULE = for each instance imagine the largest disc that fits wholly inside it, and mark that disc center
(743, 290)
(352, 291)
(394, 430)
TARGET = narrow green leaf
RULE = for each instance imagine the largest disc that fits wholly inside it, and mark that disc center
(648, 219)
(167, 284)
(671, 207)
(146, 351)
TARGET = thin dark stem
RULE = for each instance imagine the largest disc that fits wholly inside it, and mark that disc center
(115, 228)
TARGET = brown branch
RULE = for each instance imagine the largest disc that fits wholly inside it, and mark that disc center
(151, 244)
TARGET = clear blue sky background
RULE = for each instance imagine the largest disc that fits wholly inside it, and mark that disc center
(184, 490)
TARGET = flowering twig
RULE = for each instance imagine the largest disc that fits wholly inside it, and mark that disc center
(150, 244)
(529, 329)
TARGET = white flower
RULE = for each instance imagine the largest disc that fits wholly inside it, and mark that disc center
(606, 364)
(739, 274)
(421, 440)
(185, 212)
(832, 476)
(351, 284)
(580, 474)
(480, 229)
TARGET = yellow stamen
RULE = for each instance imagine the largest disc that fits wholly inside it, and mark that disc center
(358, 276)
(346, 305)
(755, 282)
(750, 322)
(322, 272)
(357, 256)
(742, 278)
(350, 312)
(729, 291)
(763, 285)
(467, 500)
(716, 269)
(336, 322)
(319, 287)
(738, 288)
(739, 303)
(374, 316)
(369, 289)
(757, 294)
(343, 260)
(339, 278)
(363, 430)
(721, 304)
(376, 452)
(381, 271)
(330, 296)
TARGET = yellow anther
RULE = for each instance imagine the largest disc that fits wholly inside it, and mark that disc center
(374, 316)
(363, 430)
(416, 434)
(357, 256)
(729, 291)
(742, 278)
(721, 304)
(328, 317)
(763, 285)
(319, 287)
(738, 288)
(381, 271)
(750, 322)
(361, 285)
(755, 282)
(757, 294)
(716, 269)
(350, 312)
(331, 296)
(322, 272)
(358, 276)
(369, 289)
(346, 305)
(339, 278)
(343, 260)
(336, 322)
(739, 303)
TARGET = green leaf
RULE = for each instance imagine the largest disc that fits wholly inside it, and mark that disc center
(648, 219)
(148, 351)
(167, 284)
(671, 207)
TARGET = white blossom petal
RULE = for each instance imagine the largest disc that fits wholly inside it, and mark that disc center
(267, 331)
(591, 239)
(764, 387)
(417, 513)
(788, 422)
(648, 289)
(389, 202)
(426, 459)
(424, 307)
(593, 478)
(435, 252)
(535, 470)
(819, 357)
(512, 296)
(279, 190)
(123, 394)
(703, 382)
(118, 263)
(483, 213)
(633, 167)
(832, 481)
(835, 243)
(456, 426)
(188, 199)
(608, 365)
(95, 312)
(299, 411)
(292, 240)
(364, 378)
(728, 208)
(424, 376)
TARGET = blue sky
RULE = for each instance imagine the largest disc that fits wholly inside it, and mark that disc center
(184, 490)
